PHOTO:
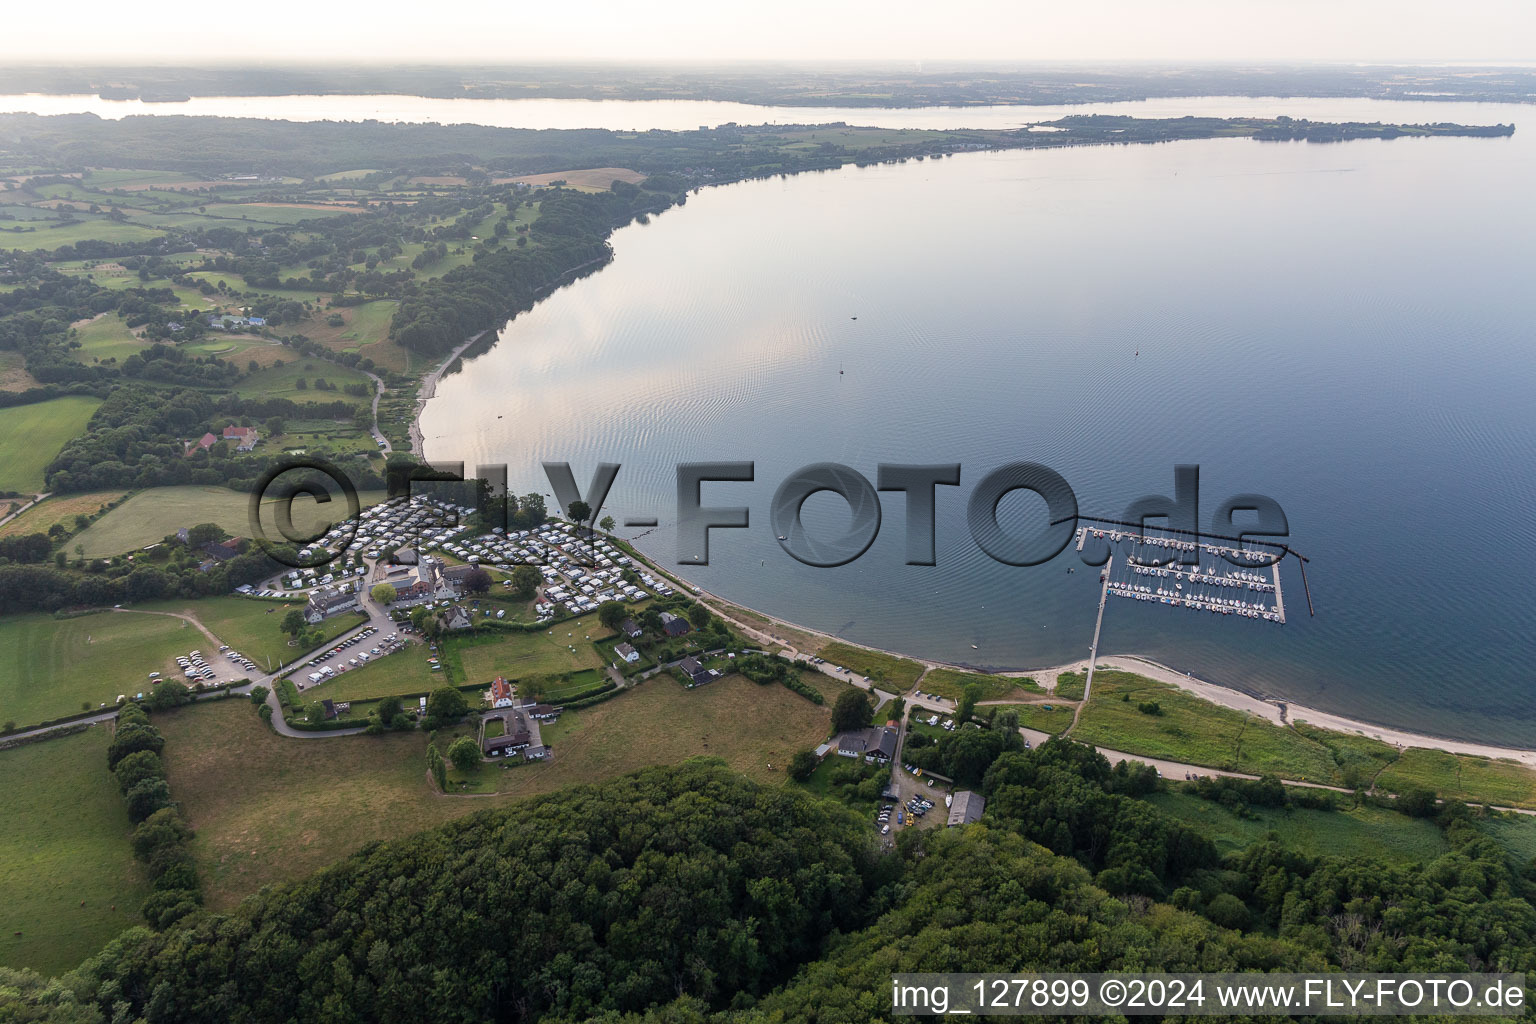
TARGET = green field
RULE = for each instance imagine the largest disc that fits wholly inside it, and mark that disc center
(282, 382)
(1195, 731)
(150, 515)
(57, 234)
(521, 655)
(65, 862)
(31, 435)
(1034, 716)
(895, 673)
(106, 338)
(1357, 832)
(53, 666)
(388, 675)
(269, 809)
(1461, 777)
(948, 682)
(250, 625)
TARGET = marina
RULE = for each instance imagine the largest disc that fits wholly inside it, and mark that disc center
(1196, 575)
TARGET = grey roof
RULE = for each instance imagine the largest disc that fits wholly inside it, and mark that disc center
(966, 807)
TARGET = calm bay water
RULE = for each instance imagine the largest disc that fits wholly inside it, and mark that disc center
(1345, 328)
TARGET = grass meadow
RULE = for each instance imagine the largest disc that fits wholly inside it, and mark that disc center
(68, 880)
(31, 435)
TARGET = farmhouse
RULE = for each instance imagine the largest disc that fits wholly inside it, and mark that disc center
(630, 628)
(325, 603)
(202, 444)
(627, 652)
(674, 625)
(542, 712)
(501, 693)
(223, 550)
(457, 618)
(695, 670)
(876, 743)
(244, 438)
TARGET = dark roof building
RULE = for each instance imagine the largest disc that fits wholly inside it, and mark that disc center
(876, 743)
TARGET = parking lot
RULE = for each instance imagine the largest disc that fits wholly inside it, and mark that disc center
(224, 666)
(356, 651)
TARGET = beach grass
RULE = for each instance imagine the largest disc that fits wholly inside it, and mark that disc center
(887, 671)
(948, 682)
(1462, 777)
(1035, 716)
(1353, 832)
(1188, 729)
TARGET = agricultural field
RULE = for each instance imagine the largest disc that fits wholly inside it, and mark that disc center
(58, 510)
(149, 515)
(947, 682)
(55, 667)
(269, 809)
(1359, 831)
(31, 435)
(1188, 729)
(596, 179)
(66, 867)
(53, 234)
(891, 672)
(566, 647)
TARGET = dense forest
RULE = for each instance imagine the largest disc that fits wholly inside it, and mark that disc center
(693, 894)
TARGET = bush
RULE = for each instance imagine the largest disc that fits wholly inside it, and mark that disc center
(445, 706)
(803, 765)
(1228, 911)
(465, 754)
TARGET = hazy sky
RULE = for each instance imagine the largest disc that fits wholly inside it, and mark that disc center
(696, 30)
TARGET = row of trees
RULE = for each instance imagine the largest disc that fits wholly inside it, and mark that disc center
(161, 836)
